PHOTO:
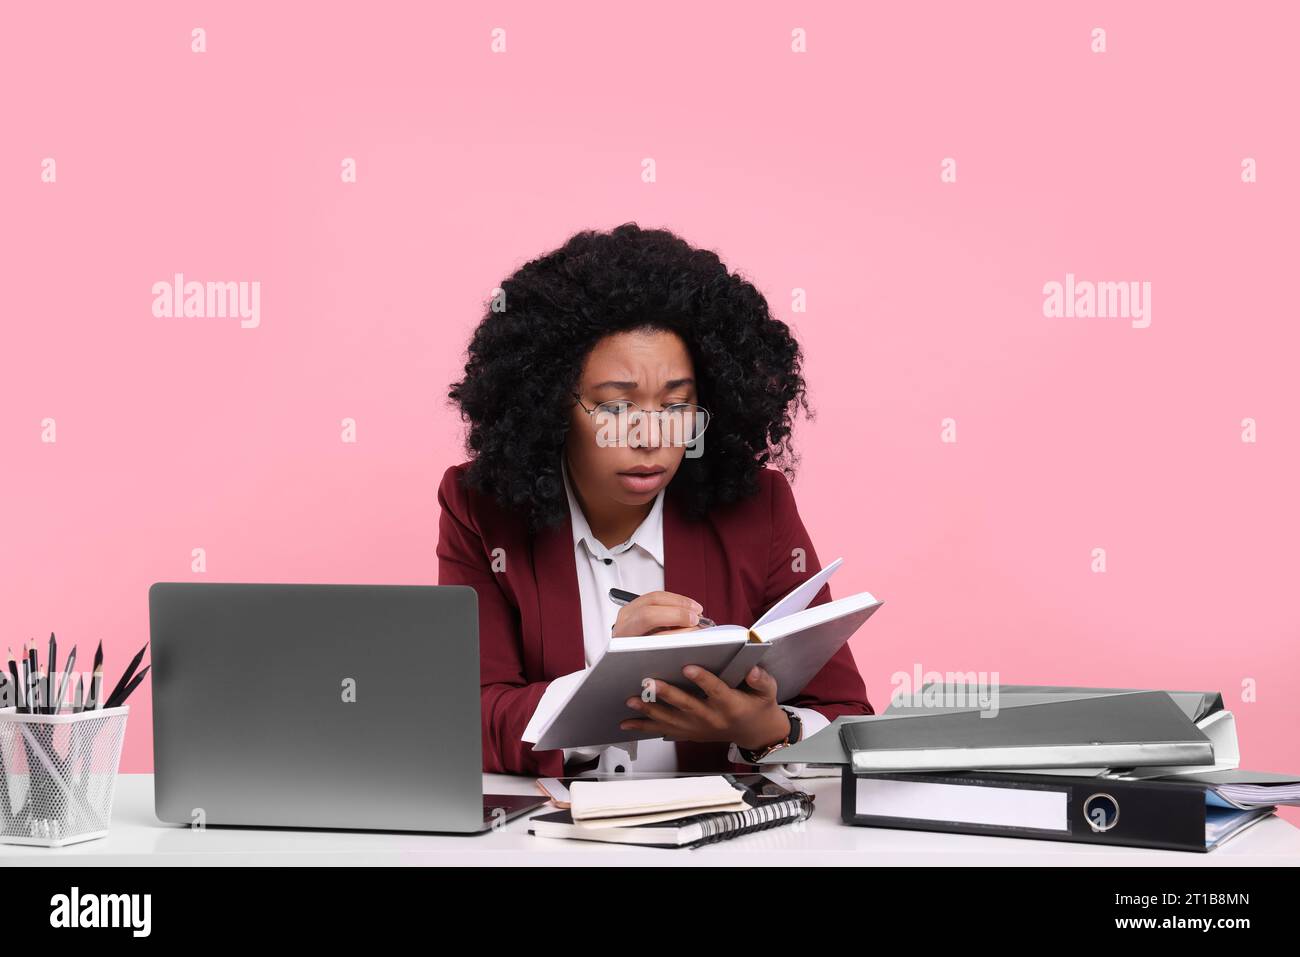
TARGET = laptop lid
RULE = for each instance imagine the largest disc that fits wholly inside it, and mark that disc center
(333, 706)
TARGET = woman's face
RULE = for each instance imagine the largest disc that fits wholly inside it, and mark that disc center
(653, 369)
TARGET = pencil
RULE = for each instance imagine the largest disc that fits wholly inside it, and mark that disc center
(117, 700)
(18, 688)
(97, 671)
(33, 696)
(51, 667)
(67, 677)
(126, 675)
(96, 688)
(25, 663)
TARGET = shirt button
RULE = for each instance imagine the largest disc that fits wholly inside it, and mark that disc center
(619, 768)
(608, 561)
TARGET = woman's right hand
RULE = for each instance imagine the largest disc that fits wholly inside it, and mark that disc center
(657, 612)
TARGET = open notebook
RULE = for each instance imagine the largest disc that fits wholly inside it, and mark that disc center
(791, 641)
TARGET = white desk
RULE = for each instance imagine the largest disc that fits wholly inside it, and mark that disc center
(136, 838)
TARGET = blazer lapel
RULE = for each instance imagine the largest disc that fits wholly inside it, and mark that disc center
(686, 572)
(556, 574)
(560, 609)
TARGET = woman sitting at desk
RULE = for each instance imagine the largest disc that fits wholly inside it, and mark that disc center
(624, 396)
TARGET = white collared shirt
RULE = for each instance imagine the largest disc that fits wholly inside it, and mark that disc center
(636, 565)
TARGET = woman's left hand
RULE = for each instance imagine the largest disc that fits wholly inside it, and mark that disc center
(752, 719)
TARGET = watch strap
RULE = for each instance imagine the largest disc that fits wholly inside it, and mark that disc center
(796, 732)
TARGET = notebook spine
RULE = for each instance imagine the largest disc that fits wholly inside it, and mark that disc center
(721, 827)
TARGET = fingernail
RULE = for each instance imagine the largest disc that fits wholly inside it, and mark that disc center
(633, 702)
(690, 671)
(696, 605)
(695, 619)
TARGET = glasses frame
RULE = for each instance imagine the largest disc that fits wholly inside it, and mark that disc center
(657, 412)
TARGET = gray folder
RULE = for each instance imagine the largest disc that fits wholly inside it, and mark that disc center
(1139, 729)
(827, 748)
(1195, 704)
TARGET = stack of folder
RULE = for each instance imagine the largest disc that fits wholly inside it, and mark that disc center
(1156, 769)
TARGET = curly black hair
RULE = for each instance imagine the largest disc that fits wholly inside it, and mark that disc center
(524, 361)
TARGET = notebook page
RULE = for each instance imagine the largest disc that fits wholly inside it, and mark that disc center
(676, 639)
(799, 597)
(554, 698)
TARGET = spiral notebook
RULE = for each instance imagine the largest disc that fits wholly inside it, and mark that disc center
(762, 804)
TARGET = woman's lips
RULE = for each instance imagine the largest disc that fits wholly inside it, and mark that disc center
(641, 482)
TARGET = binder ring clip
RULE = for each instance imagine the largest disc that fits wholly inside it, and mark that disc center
(1104, 815)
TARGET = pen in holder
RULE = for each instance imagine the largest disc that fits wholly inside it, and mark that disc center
(57, 773)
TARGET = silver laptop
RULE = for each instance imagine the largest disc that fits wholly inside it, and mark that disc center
(323, 706)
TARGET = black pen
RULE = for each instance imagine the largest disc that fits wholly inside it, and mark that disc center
(620, 597)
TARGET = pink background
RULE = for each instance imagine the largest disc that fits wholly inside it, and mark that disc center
(818, 171)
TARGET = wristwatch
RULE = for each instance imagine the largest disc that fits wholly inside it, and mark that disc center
(796, 732)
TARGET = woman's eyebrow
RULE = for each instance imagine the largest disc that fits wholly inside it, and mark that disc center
(611, 384)
(628, 386)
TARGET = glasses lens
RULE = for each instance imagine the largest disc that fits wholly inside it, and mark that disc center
(624, 423)
(683, 423)
(612, 414)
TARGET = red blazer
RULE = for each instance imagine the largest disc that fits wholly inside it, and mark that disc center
(736, 563)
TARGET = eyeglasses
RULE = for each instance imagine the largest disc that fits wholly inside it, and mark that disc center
(681, 423)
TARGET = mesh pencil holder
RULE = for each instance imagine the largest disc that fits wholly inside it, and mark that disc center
(57, 773)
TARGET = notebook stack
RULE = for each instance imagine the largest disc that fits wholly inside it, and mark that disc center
(674, 811)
